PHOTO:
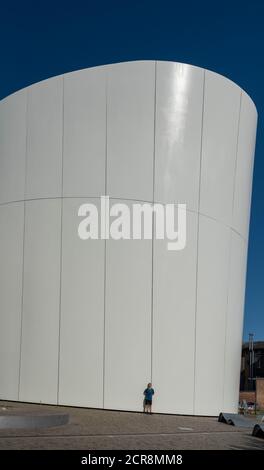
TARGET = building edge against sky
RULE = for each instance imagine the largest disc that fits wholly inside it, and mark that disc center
(90, 323)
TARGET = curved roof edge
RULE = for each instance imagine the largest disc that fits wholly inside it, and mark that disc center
(139, 60)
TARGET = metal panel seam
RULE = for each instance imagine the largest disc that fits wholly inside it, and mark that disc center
(61, 235)
(197, 244)
(152, 244)
(105, 244)
(23, 249)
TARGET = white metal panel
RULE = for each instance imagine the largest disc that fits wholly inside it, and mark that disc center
(213, 261)
(40, 325)
(234, 322)
(127, 323)
(219, 147)
(82, 313)
(245, 163)
(11, 258)
(130, 130)
(179, 105)
(13, 147)
(44, 149)
(174, 295)
(84, 133)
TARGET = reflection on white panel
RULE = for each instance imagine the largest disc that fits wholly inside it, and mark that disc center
(174, 292)
(82, 313)
(213, 256)
(245, 162)
(84, 133)
(13, 147)
(234, 326)
(40, 326)
(11, 258)
(44, 149)
(179, 104)
(127, 323)
(130, 130)
(219, 147)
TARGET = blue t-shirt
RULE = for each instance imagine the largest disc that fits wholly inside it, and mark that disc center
(148, 393)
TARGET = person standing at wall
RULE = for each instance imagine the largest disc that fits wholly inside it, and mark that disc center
(148, 393)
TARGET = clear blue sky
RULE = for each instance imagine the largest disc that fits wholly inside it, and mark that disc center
(42, 39)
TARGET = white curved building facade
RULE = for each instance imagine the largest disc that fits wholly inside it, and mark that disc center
(90, 323)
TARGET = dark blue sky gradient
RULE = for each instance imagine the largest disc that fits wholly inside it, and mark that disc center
(42, 39)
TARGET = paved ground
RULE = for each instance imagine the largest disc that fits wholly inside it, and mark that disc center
(101, 429)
